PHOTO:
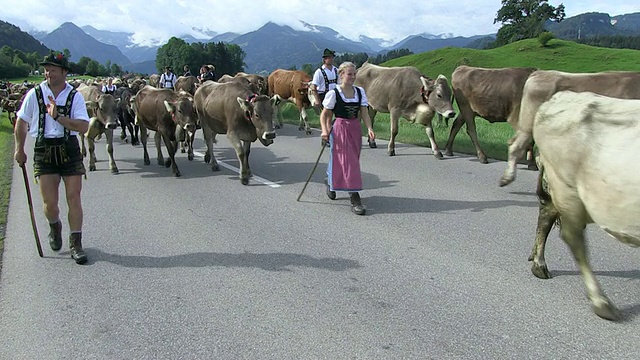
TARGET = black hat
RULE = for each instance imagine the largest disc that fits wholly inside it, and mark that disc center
(168, 68)
(56, 59)
(328, 53)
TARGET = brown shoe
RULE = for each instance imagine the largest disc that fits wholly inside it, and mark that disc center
(55, 236)
(75, 247)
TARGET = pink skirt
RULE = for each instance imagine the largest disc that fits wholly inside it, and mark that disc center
(343, 173)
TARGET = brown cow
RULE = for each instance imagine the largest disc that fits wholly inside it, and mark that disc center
(493, 94)
(542, 84)
(163, 110)
(258, 83)
(186, 84)
(233, 109)
(291, 86)
(405, 92)
(102, 109)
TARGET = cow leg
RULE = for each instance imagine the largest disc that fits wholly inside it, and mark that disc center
(190, 138)
(372, 116)
(238, 146)
(303, 120)
(83, 149)
(395, 117)
(547, 216)
(92, 154)
(134, 134)
(209, 139)
(278, 115)
(573, 234)
(432, 139)
(519, 143)
(531, 162)
(171, 149)
(157, 138)
(112, 162)
(143, 139)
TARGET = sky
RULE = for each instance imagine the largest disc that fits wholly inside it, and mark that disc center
(155, 21)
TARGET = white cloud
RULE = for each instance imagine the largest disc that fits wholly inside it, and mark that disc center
(158, 20)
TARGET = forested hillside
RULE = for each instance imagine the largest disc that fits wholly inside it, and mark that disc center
(12, 36)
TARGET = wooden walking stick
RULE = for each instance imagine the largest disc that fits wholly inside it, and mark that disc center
(314, 166)
(33, 218)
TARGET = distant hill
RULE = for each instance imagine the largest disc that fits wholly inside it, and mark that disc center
(422, 43)
(79, 43)
(559, 55)
(274, 46)
(15, 38)
(593, 24)
(630, 22)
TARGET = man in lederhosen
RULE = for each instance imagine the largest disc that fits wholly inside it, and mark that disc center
(325, 78)
(54, 113)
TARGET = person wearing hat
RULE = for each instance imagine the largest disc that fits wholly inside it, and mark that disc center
(325, 78)
(53, 113)
(167, 79)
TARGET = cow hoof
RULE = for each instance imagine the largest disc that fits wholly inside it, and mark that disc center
(167, 163)
(207, 158)
(190, 157)
(300, 128)
(448, 152)
(147, 162)
(161, 162)
(438, 155)
(244, 181)
(177, 173)
(115, 171)
(483, 160)
(607, 311)
(134, 143)
(308, 132)
(215, 167)
(505, 180)
(126, 141)
(373, 145)
(532, 167)
(92, 168)
(183, 151)
(277, 126)
(540, 271)
(391, 152)
(123, 136)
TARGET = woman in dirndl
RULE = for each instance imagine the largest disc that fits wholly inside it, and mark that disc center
(349, 104)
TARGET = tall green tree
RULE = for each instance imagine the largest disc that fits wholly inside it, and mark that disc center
(524, 19)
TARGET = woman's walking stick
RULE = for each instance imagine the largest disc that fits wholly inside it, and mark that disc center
(314, 169)
(33, 218)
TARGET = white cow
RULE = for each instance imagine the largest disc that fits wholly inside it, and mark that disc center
(588, 151)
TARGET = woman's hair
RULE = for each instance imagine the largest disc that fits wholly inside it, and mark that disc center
(344, 65)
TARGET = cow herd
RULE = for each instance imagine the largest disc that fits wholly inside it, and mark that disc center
(586, 127)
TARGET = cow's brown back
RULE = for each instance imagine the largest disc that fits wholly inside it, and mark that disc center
(493, 94)
(289, 84)
(389, 88)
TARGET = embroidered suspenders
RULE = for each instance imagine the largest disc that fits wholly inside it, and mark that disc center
(64, 110)
(326, 79)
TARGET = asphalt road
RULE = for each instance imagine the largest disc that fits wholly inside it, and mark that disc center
(202, 267)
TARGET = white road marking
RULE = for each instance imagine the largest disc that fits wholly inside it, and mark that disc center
(237, 170)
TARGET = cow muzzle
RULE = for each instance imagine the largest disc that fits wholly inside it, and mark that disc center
(450, 114)
(269, 135)
(112, 125)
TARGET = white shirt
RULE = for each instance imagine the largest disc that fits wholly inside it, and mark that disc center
(166, 79)
(30, 111)
(330, 99)
(318, 79)
(107, 88)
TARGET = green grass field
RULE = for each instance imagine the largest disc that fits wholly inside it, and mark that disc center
(6, 166)
(558, 55)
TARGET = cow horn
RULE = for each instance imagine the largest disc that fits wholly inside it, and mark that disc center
(168, 106)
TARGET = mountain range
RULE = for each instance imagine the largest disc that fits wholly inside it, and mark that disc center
(275, 46)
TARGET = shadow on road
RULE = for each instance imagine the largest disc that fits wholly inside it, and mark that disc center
(269, 262)
(400, 205)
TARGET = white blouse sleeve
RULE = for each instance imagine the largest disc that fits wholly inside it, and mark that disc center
(365, 101)
(329, 101)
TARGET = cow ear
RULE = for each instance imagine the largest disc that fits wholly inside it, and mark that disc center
(244, 104)
(169, 106)
(91, 104)
(276, 100)
(429, 85)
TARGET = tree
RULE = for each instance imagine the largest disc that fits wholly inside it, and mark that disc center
(524, 19)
